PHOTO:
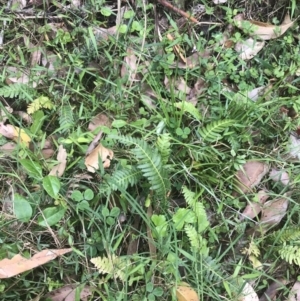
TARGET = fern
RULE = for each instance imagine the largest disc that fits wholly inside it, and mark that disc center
(188, 196)
(18, 90)
(286, 235)
(198, 243)
(189, 108)
(211, 132)
(66, 118)
(164, 147)
(291, 254)
(149, 162)
(123, 178)
(39, 103)
(114, 266)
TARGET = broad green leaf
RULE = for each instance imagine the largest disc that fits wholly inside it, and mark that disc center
(129, 14)
(106, 11)
(34, 169)
(183, 216)
(77, 196)
(115, 211)
(38, 120)
(51, 216)
(83, 205)
(52, 185)
(88, 194)
(158, 220)
(22, 208)
(118, 123)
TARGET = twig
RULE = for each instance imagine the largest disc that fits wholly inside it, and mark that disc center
(177, 10)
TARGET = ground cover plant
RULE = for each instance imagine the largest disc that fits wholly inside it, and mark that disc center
(149, 150)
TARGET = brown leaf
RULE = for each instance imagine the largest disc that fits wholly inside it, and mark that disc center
(273, 289)
(19, 264)
(294, 294)
(254, 208)
(59, 169)
(15, 133)
(68, 293)
(99, 120)
(250, 175)
(129, 66)
(273, 212)
(19, 76)
(192, 61)
(248, 294)
(198, 89)
(185, 293)
(264, 31)
(280, 176)
(91, 161)
(8, 147)
(178, 84)
(105, 33)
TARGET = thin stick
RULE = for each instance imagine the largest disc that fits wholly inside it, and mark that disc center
(177, 10)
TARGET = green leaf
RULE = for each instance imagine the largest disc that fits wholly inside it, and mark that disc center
(158, 292)
(182, 216)
(106, 11)
(115, 211)
(105, 212)
(158, 220)
(129, 14)
(22, 208)
(83, 205)
(118, 123)
(77, 196)
(52, 185)
(51, 216)
(33, 169)
(88, 194)
(188, 107)
(38, 120)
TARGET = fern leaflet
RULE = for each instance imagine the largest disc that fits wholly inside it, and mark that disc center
(66, 118)
(211, 132)
(149, 162)
(123, 178)
(18, 90)
(164, 147)
(291, 254)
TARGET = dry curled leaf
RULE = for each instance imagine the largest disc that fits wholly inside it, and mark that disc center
(264, 31)
(273, 289)
(250, 175)
(192, 61)
(58, 170)
(12, 132)
(248, 294)
(99, 120)
(19, 264)
(178, 84)
(129, 66)
(185, 293)
(255, 207)
(280, 176)
(68, 293)
(199, 88)
(294, 294)
(249, 48)
(105, 154)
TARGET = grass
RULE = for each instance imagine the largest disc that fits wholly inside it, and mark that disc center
(165, 211)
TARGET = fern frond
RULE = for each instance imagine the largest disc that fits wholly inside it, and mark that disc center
(286, 235)
(291, 254)
(149, 162)
(39, 103)
(18, 90)
(211, 132)
(114, 265)
(189, 196)
(66, 118)
(123, 178)
(201, 215)
(164, 147)
(189, 108)
(193, 236)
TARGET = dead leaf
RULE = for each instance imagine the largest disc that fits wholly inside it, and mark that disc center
(8, 147)
(99, 120)
(199, 88)
(68, 293)
(25, 117)
(178, 84)
(16, 75)
(255, 207)
(5, 113)
(105, 33)
(294, 294)
(250, 175)
(129, 66)
(273, 289)
(257, 92)
(280, 176)
(294, 147)
(12, 132)
(273, 212)
(59, 169)
(91, 161)
(248, 294)
(264, 31)
(249, 48)
(219, 1)
(19, 264)
(185, 293)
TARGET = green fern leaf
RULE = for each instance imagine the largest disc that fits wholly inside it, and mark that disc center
(114, 265)
(123, 178)
(291, 254)
(189, 108)
(286, 235)
(189, 196)
(211, 132)
(66, 118)
(37, 104)
(164, 147)
(149, 162)
(18, 90)
(193, 236)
